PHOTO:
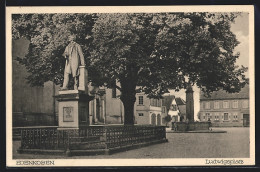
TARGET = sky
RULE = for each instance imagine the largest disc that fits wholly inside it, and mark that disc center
(241, 29)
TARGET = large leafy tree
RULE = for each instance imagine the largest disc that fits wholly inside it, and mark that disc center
(48, 36)
(166, 50)
(155, 51)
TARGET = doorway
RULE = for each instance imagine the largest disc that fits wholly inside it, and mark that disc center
(246, 120)
(153, 119)
(158, 119)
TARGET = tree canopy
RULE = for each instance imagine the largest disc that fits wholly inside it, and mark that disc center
(48, 36)
(163, 49)
(155, 51)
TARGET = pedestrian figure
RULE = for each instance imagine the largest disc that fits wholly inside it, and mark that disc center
(175, 126)
(209, 121)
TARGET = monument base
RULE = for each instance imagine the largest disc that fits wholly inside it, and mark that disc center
(73, 109)
(190, 126)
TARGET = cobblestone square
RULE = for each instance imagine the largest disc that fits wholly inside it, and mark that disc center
(233, 144)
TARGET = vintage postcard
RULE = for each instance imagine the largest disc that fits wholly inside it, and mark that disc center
(94, 86)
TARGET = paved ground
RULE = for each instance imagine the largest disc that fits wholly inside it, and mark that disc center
(233, 144)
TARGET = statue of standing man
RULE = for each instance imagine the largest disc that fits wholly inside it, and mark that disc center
(74, 58)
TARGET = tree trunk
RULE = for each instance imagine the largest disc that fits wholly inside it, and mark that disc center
(128, 99)
(128, 86)
(129, 112)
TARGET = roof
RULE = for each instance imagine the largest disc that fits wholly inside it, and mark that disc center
(167, 101)
(180, 101)
(182, 110)
(222, 94)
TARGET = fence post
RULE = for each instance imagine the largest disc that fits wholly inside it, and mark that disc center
(106, 139)
(57, 137)
(164, 132)
(68, 152)
(22, 139)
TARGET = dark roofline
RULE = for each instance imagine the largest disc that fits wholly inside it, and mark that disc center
(203, 99)
(182, 101)
(223, 95)
(167, 100)
(168, 96)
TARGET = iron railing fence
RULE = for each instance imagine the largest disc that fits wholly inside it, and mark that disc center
(108, 136)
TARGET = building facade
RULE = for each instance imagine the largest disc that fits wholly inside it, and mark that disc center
(175, 107)
(182, 108)
(106, 107)
(148, 111)
(166, 106)
(169, 102)
(30, 105)
(226, 109)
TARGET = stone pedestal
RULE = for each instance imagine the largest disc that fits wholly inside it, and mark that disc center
(191, 126)
(73, 109)
(74, 104)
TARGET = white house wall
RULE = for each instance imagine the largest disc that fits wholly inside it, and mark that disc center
(171, 112)
(114, 107)
(147, 110)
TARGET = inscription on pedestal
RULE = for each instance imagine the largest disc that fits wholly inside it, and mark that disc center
(73, 109)
(68, 114)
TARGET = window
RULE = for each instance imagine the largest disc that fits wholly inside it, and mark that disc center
(140, 114)
(152, 102)
(159, 103)
(235, 116)
(216, 117)
(226, 116)
(225, 104)
(245, 104)
(203, 117)
(207, 105)
(141, 100)
(208, 115)
(235, 104)
(155, 102)
(216, 105)
(174, 107)
(163, 109)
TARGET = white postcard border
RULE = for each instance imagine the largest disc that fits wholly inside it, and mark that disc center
(126, 9)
